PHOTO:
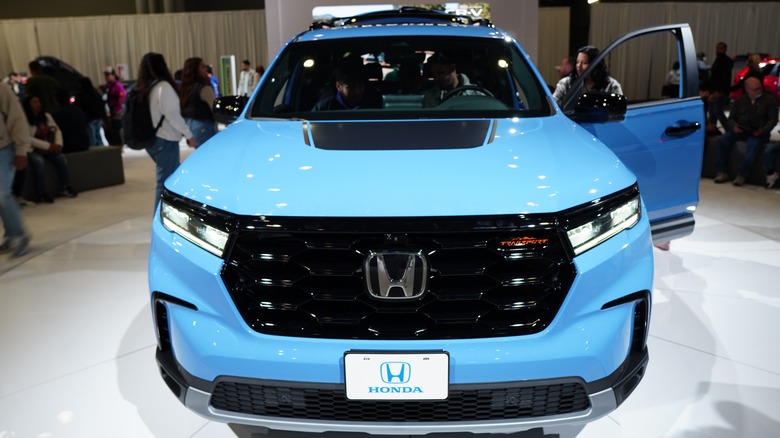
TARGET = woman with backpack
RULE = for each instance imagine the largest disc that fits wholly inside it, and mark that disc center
(196, 99)
(156, 86)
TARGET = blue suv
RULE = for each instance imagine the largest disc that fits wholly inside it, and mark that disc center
(482, 264)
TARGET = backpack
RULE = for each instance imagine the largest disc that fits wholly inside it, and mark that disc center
(139, 130)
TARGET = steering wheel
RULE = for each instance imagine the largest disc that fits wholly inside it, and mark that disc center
(463, 88)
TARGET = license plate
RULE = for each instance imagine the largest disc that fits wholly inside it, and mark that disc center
(397, 376)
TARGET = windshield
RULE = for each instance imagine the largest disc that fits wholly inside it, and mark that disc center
(400, 77)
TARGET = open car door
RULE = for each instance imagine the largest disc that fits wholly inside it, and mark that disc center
(660, 138)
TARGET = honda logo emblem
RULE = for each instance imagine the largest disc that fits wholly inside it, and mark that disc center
(396, 275)
(395, 372)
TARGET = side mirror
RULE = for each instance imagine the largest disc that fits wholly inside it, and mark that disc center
(228, 108)
(599, 107)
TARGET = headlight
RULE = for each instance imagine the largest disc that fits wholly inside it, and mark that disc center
(606, 224)
(193, 228)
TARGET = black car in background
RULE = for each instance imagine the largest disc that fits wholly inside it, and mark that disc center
(68, 77)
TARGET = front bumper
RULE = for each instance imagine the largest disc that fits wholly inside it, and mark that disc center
(578, 369)
(312, 407)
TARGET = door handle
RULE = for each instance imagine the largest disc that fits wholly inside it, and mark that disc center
(682, 130)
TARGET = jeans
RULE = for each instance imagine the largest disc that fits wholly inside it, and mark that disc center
(727, 140)
(38, 165)
(93, 130)
(9, 209)
(771, 150)
(716, 113)
(202, 129)
(165, 154)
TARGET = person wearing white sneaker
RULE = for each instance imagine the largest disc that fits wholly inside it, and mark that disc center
(751, 119)
(769, 164)
(14, 146)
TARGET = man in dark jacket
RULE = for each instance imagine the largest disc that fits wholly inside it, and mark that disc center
(719, 86)
(42, 86)
(90, 101)
(751, 120)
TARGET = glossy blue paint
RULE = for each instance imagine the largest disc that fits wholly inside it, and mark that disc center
(533, 166)
(667, 167)
(535, 159)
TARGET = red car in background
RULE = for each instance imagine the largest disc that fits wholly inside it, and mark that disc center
(771, 69)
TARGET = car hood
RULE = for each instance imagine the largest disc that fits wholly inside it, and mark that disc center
(356, 169)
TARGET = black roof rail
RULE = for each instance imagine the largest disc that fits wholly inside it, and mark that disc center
(402, 15)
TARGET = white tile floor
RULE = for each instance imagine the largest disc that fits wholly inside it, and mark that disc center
(77, 347)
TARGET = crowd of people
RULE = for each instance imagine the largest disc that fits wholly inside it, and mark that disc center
(752, 116)
(41, 122)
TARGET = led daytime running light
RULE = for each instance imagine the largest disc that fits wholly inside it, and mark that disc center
(205, 236)
(591, 234)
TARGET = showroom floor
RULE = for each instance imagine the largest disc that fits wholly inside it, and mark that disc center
(77, 355)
